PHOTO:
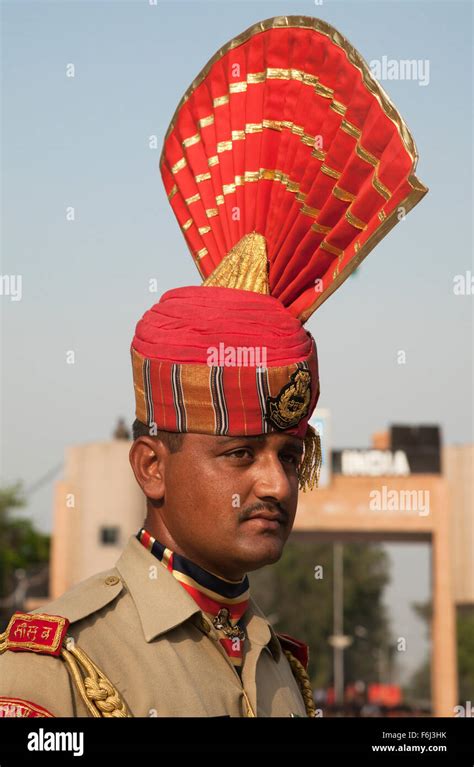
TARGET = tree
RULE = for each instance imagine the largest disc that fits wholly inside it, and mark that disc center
(420, 683)
(418, 689)
(21, 546)
(298, 599)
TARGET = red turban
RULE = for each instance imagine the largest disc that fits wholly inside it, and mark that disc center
(207, 359)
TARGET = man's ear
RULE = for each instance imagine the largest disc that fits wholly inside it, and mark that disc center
(147, 458)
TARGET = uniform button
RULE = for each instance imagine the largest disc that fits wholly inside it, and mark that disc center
(112, 580)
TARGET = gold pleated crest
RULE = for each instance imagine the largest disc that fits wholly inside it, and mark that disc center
(245, 267)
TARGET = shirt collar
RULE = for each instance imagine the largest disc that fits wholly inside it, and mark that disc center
(259, 630)
(163, 604)
(209, 590)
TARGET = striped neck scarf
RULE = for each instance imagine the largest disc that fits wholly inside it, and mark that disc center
(224, 602)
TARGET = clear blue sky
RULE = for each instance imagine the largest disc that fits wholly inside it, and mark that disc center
(83, 142)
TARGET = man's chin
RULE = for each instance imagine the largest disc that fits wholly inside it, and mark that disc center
(262, 550)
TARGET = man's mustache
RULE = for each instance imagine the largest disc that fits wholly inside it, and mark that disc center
(272, 507)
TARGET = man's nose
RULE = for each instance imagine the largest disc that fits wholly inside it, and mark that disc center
(272, 480)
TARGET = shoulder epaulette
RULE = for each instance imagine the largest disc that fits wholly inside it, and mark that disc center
(35, 632)
(298, 648)
(46, 634)
(297, 653)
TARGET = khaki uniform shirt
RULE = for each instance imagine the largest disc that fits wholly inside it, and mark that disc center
(146, 633)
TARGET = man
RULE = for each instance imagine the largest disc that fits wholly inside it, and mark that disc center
(284, 163)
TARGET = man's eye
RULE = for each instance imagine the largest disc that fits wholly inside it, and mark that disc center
(292, 458)
(242, 452)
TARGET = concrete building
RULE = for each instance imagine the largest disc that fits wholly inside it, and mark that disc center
(97, 506)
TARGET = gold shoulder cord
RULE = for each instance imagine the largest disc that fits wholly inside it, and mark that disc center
(304, 684)
(95, 688)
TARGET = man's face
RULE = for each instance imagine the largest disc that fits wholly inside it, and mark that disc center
(213, 485)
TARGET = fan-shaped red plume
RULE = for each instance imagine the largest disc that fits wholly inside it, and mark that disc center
(286, 134)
